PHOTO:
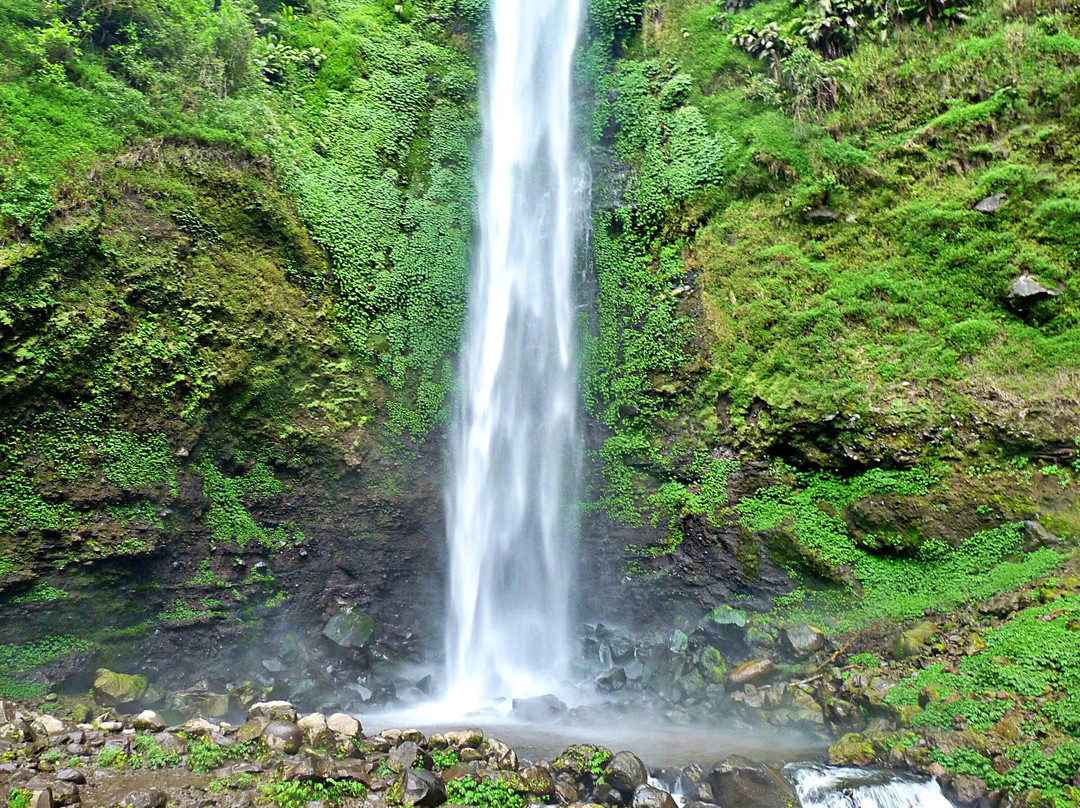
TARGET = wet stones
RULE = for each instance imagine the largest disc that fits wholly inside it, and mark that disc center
(154, 798)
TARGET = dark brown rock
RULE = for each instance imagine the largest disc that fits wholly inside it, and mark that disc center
(739, 781)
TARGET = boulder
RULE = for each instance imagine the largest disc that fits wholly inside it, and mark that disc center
(756, 670)
(351, 628)
(566, 791)
(272, 711)
(154, 798)
(71, 776)
(51, 724)
(538, 781)
(117, 689)
(313, 726)
(344, 724)
(406, 756)
(283, 736)
(625, 772)
(739, 781)
(40, 799)
(646, 796)
(989, 204)
(913, 641)
(1026, 291)
(149, 720)
(419, 787)
(539, 709)
(311, 768)
(611, 681)
(803, 639)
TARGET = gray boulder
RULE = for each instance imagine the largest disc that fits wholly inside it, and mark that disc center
(283, 736)
(539, 710)
(990, 204)
(646, 796)
(626, 772)
(748, 784)
(154, 798)
(803, 639)
(419, 787)
(1026, 291)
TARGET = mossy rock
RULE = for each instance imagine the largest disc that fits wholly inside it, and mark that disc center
(115, 689)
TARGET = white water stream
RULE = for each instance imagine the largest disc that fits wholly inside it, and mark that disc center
(511, 503)
(828, 787)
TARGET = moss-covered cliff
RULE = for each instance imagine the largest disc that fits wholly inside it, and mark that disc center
(832, 360)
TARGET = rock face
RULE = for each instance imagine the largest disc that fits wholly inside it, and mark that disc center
(118, 688)
(351, 628)
(738, 781)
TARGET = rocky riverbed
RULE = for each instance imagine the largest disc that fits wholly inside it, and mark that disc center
(279, 757)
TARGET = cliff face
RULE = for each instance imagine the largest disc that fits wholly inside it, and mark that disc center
(234, 257)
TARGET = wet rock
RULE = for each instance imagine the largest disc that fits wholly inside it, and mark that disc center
(756, 670)
(738, 781)
(149, 720)
(646, 796)
(989, 204)
(803, 639)
(1026, 291)
(625, 772)
(419, 787)
(51, 724)
(851, 750)
(913, 641)
(351, 628)
(1036, 537)
(539, 710)
(154, 798)
(964, 789)
(283, 736)
(117, 689)
(272, 711)
(566, 791)
(457, 771)
(311, 768)
(501, 756)
(313, 726)
(405, 756)
(344, 724)
(611, 681)
(538, 781)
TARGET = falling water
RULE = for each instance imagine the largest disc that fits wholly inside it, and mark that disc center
(515, 453)
(825, 787)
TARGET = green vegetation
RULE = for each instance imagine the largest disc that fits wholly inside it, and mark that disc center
(17, 659)
(300, 793)
(443, 759)
(486, 794)
(204, 755)
(153, 756)
(19, 798)
(40, 591)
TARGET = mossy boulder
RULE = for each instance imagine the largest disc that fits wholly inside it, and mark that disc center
(115, 689)
(351, 628)
(913, 641)
(851, 750)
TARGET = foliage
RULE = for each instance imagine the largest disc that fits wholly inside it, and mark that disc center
(229, 519)
(41, 591)
(485, 794)
(153, 756)
(204, 755)
(444, 758)
(19, 798)
(17, 659)
(298, 793)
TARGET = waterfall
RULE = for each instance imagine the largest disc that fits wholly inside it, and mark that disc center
(827, 787)
(515, 454)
